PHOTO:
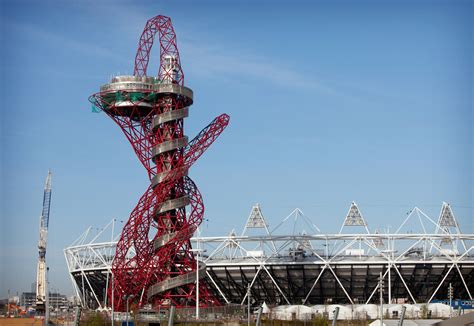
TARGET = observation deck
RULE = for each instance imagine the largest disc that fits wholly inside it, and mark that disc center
(135, 96)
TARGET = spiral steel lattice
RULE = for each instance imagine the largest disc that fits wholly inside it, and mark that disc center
(154, 262)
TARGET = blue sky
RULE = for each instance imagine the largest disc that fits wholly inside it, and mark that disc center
(329, 101)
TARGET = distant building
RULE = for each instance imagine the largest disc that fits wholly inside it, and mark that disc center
(57, 301)
(28, 299)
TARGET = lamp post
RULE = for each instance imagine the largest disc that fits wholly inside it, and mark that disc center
(46, 311)
(249, 285)
(126, 298)
(381, 283)
(112, 275)
(197, 251)
(112, 314)
(450, 295)
(8, 303)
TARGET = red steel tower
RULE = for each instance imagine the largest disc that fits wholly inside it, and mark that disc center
(153, 261)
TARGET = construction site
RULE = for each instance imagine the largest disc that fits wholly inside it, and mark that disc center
(161, 268)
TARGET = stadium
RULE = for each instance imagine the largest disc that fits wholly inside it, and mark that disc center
(308, 267)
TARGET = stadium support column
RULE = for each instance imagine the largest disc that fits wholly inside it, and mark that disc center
(389, 283)
(381, 297)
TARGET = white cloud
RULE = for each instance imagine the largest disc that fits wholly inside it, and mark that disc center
(68, 43)
(225, 62)
(222, 61)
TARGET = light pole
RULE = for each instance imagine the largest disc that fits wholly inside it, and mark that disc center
(197, 251)
(112, 314)
(126, 298)
(381, 298)
(248, 303)
(112, 275)
(46, 312)
(450, 294)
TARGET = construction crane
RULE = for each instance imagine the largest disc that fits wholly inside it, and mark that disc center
(41, 286)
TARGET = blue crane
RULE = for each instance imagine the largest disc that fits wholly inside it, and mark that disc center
(41, 286)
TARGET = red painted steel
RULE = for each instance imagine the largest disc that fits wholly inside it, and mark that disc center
(167, 37)
(137, 265)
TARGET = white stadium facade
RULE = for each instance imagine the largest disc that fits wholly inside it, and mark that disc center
(308, 267)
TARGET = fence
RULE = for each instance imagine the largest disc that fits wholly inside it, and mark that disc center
(226, 312)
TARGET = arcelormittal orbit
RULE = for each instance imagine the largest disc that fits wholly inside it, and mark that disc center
(154, 262)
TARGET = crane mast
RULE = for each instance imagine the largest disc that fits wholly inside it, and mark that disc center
(41, 286)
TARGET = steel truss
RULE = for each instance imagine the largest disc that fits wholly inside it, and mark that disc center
(89, 262)
(151, 112)
(343, 268)
(311, 267)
